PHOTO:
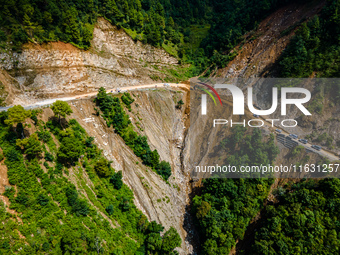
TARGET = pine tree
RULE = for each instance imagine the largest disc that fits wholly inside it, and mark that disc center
(17, 114)
(61, 109)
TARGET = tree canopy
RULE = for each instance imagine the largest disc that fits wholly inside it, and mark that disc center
(226, 206)
(315, 46)
(304, 221)
(61, 109)
(102, 167)
(17, 114)
(70, 149)
(199, 32)
(31, 146)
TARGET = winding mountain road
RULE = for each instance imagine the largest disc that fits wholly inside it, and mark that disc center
(325, 153)
(113, 90)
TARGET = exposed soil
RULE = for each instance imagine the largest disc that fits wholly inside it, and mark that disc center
(261, 48)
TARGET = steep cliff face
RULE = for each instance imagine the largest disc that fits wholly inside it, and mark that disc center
(155, 114)
(55, 69)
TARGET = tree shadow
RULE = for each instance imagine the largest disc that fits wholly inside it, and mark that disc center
(190, 223)
(56, 123)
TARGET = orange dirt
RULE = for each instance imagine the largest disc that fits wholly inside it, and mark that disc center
(3, 183)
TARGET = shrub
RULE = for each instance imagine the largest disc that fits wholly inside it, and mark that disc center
(109, 209)
(102, 168)
(31, 146)
(34, 116)
(70, 150)
(127, 100)
(42, 199)
(45, 246)
(124, 204)
(49, 157)
(45, 136)
(12, 155)
(21, 198)
(164, 170)
(116, 180)
(9, 191)
(179, 104)
(171, 240)
(79, 206)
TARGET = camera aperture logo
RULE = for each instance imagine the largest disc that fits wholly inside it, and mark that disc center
(238, 102)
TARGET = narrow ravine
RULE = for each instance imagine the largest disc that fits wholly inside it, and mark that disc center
(192, 238)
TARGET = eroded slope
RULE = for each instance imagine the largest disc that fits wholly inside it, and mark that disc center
(155, 114)
(60, 69)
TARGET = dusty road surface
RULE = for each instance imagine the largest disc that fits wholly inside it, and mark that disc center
(114, 90)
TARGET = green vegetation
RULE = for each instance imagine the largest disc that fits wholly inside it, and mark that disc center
(115, 115)
(225, 209)
(229, 21)
(249, 149)
(226, 206)
(199, 32)
(31, 146)
(103, 168)
(304, 221)
(16, 116)
(297, 150)
(73, 21)
(179, 104)
(84, 213)
(317, 103)
(315, 47)
(116, 180)
(61, 109)
(127, 100)
(325, 139)
(63, 215)
(71, 147)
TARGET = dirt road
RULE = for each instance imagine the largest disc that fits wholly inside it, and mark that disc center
(113, 90)
(267, 124)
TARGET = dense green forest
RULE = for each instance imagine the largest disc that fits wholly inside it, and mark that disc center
(53, 214)
(198, 32)
(226, 206)
(202, 33)
(304, 221)
(315, 47)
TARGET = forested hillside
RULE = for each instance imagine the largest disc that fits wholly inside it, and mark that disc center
(305, 221)
(315, 47)
(226, 206)
(198, 32)
(64, 196)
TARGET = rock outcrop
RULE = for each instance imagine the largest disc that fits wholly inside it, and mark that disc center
(60, 69)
